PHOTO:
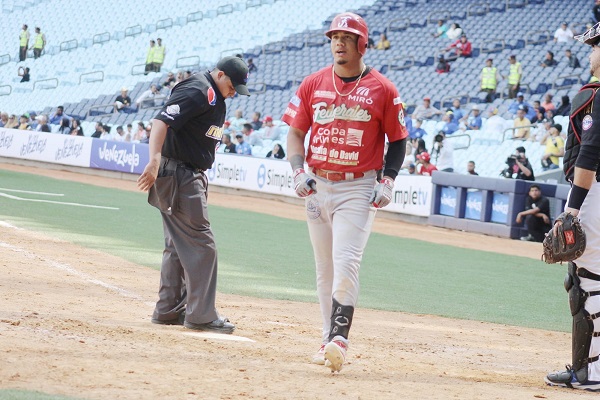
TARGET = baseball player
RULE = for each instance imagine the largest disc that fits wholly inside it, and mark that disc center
(182, 146)
(348, 108)
(581, 166)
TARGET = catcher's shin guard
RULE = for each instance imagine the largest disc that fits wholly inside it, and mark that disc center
(341, 320)
(583, 325)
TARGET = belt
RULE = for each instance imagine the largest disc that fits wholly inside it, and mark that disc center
(337, 176)
(172, 164)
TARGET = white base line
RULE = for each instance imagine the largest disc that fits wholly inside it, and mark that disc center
(30, 192)
(8, 196)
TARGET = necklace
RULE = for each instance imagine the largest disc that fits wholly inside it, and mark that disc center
(355, 86)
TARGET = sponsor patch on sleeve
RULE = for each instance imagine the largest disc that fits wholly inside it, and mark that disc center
(401, 118)
(295, 100)
(587, 122)
(397, 100)
(173, 109)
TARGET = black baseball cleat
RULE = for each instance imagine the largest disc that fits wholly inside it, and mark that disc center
(220, 325)
(175, 321)
(568, 379)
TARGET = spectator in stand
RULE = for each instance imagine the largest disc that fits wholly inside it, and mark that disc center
(238, 121)
(39, 43)
(12, 122)
(449, 125)
(159, 55)
(23, 43)
(277, 152)
(443, 66)
(419, 145)
(426, 167)
(563, 34)
(520, 101)
(226, 144)
(97, 130)
(523, 123)
(489, 80)
(454, 31)
(150, 58)
(515, 72)
(33, 122)
(148, 97)
(536, 214)
(242, 147)
(24, 74)
(457, 112)
(443, 153)
(573, 60)
(462, 48)
(269, 131)
(417, 132)
(123, 101)
(547, 104)
(555, 148)
(409, 157)
(129, 132)
(256, 123)
(425, 110)
(471, 168)
(180, 77)
(42, 123)
(65, 127)
(3, 119)
(565, 107)
(251, 66)
(24, 123)
(541, 130)
(170, 80)
(549, 60)
(58, 115)
(187, 74)
(106, 135)
(550, 115)
(251, 136)
(539, 112)
(474, 121)
(76, 129)
(119, 136)
(140, 132)
(384, 43)
(441, 30)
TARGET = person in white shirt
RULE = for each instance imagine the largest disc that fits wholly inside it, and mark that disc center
(563, 34)
(494, 125)
(148, 98)
(237, 122)
(443, 153)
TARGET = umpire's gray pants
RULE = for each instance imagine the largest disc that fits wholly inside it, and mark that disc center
(189, 267)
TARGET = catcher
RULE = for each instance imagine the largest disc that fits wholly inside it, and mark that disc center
(581, 167)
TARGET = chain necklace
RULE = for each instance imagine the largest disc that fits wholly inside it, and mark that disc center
(355, 86)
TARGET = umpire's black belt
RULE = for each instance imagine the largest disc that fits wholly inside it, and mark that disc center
(171, 164)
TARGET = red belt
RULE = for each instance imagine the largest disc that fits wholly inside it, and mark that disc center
(337, 176)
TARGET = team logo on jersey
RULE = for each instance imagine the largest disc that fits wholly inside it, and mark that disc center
(362, 91)
(325, 94)
(215, 132)
(212, 96)
(173, 109)
(325, 114)
(401, 118)
(587, 122)
(313, 210)
(354, 137)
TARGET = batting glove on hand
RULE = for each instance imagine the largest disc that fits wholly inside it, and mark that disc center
(304, 185)
(382, 193)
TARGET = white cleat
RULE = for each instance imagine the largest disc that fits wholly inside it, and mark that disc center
(335, 355)
(319, 357)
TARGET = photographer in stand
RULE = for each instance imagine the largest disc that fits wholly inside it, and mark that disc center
(443, 153)
(519, 166)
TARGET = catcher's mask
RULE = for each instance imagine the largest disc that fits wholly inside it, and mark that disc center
(350, 22)
(591, 36)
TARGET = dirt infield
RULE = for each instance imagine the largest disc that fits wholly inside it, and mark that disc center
(75, 322)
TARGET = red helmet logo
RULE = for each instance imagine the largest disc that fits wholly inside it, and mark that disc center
(350, 22)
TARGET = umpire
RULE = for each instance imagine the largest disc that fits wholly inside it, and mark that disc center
(182, 146)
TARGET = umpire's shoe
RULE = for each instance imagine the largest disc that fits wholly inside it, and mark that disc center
(569, 379)
(220, 325)
(175, 321)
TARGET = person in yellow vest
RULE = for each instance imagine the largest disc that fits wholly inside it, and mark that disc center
(489, 80)
(23, 43)
(39, 42)
(515, 73)
(150, 58)
(159, 55)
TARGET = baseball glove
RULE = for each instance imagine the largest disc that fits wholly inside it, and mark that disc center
(569, 242)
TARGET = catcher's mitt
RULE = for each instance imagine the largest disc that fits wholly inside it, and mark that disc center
(568, 244)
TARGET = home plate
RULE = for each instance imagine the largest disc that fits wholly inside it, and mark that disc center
(218, 336)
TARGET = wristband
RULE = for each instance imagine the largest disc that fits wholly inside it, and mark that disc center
(577, 197)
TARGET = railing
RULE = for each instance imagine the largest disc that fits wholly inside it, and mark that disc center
(68, 45)
(101, 38)
(164, 23)
(459, 136)
(556, 87)
(195, 16)
(225, 9)
(513, 129)
(316, 39)
(274, 47)
(4, 59)
(46, 80)
(150, 104)
(493, 49)
(395, 24)
(253, 3)
(138, 69)
(515, 4)
(395, 65)
(98, 107)
(180, 63)
(234, 51)
(542, 32)
(527, 90)
(478, 9)
(445, 15)
(257, 87)
(6, 93)
(133, 30)
(100, 79)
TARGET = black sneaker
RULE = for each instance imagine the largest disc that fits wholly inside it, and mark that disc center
(220, 325)
(175, 321)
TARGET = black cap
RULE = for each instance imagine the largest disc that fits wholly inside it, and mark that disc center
(521, 149)
(237, 70)
(558, 127)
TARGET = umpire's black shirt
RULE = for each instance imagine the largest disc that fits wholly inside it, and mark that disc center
(195, 113)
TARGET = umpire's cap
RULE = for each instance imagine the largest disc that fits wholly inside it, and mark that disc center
(591, 36)
(237, 70)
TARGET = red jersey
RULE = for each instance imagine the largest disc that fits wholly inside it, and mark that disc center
(347, 133)
(427, 170)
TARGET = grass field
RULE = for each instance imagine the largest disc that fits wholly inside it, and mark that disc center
(270, 257)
